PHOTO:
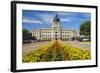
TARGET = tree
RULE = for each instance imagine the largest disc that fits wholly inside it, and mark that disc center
(26, 34)
(85, 28)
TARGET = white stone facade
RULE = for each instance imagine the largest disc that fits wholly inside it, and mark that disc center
(56, 32)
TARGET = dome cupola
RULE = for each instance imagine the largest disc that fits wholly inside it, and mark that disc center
(56, 18)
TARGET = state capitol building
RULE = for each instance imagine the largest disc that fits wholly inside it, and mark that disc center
(55, 32)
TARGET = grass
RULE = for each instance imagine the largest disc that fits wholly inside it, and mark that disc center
(57, 51)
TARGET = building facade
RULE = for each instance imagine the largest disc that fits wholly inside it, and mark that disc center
(54, 33)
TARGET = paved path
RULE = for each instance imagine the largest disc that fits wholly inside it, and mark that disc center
(29, 48)
(82, 45)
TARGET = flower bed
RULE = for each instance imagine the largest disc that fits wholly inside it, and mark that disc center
(57, 51)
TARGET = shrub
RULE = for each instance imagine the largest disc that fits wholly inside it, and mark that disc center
(79, 39)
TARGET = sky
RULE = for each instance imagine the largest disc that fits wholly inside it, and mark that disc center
(32, 19)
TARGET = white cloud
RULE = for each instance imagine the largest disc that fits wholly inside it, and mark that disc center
(30, 20)
(65, 13)
(47, 18)
(65, 20)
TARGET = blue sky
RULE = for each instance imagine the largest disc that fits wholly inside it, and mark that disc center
(32, 19)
